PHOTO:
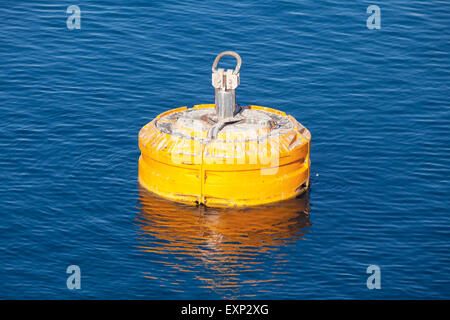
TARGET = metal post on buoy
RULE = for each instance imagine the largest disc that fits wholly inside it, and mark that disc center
(225, 84)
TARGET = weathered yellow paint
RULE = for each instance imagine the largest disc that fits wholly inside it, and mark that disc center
(228, 171)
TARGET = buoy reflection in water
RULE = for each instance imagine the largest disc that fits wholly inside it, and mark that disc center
(226, 250)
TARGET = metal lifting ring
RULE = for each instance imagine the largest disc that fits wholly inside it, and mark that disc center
(228, 53)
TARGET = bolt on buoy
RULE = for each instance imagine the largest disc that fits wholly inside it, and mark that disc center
(224, 155)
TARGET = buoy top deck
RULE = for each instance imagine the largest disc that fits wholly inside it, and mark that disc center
(250, 123)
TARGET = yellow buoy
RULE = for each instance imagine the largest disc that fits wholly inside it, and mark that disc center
(222, 154)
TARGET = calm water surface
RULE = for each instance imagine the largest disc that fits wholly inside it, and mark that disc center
(376, 103)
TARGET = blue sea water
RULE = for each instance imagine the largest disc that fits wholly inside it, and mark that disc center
(375, 101)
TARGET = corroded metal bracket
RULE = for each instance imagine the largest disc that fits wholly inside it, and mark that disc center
(225, 84)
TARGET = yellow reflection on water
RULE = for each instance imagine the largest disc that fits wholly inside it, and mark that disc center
(223, 249)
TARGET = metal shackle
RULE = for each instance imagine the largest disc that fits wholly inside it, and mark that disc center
(225, 84)
(228, 53)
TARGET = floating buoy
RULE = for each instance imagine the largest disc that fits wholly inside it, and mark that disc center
(223, 154)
